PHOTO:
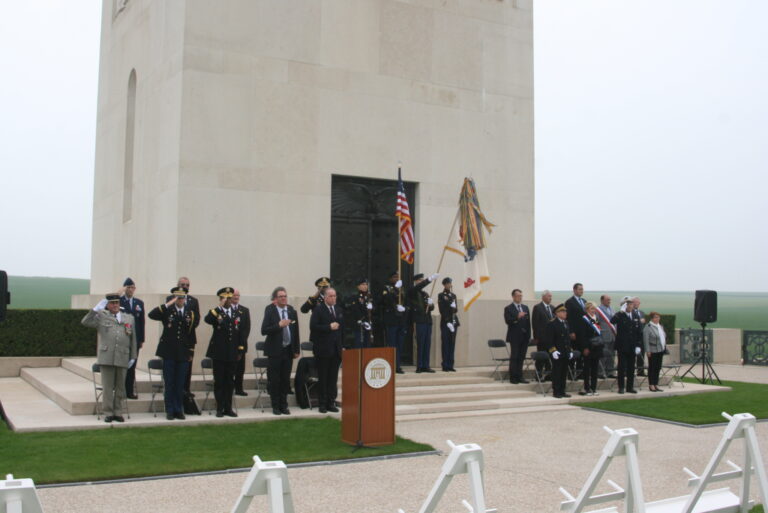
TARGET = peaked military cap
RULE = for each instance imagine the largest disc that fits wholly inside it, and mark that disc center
(362, 280)
(394, 273)
(112, 297)
(226, 292)
(323, 281)
(128, 282)
(560, 307)
(418, 276)
(447, 280)
(179, 291)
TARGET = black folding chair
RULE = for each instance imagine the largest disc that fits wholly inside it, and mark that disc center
(497, 356)
(306, 346)
(155, 369)
(260, 371)
(541, 375)
(207, 364)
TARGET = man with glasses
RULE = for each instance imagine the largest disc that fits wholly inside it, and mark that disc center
(281, 327)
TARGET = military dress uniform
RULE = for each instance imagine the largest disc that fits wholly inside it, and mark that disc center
(135, 307)
(176, 347)
(242, 347)
(116, 352)
(421, 314)
(558, 341)
(312, 301)
(394, 318)
(359, 310)
(223, 350)
(449, 324)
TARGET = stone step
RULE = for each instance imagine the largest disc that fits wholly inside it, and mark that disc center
(70, 391)
(477, 413)
(405, 390)
(460, 397)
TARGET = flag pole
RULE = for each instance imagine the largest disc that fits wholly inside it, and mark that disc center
(399, 249)
(440, 264)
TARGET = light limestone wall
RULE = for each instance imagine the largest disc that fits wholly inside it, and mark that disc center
(246, 108)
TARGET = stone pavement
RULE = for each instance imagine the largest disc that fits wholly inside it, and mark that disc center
(528, 456)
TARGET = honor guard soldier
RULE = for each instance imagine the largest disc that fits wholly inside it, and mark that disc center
(421, 306)
(223, 350)
(242, 347)
(359, 311)
(558, 340)
(394, 316)
(116, 351)
(318, 297)
(176, 347)
(449, 323)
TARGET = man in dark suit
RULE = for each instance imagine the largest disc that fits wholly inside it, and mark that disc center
(542, 313)
(326, 332)
(639, 316)
(627, 345)
(175, 348)
(575, 308)
(518, 321)
(223, 350)
(421, 306)
(557, 339)
(135, 307)
(193, 306)
(245, 331)
(281, 327)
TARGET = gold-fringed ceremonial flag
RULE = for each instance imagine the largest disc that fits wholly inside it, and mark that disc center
(403, 213)
(469, 241)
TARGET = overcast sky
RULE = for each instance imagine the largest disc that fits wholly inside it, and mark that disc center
(651, 142)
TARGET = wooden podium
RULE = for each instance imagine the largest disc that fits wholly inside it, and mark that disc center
(368, 396)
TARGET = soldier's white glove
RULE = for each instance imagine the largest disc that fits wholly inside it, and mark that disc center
(429, 301)
(367, 326)
(400, 308)
(131, 362)
(369, 306)
(433, 277)
(453, 304)
(450, 327)
(101, 305)
(556, 355)
(570, 355)
(398, 284)
(637, 350)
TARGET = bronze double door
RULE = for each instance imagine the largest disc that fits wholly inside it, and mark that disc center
(364, 235)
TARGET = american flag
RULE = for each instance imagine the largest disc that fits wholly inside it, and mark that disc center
(403, 213)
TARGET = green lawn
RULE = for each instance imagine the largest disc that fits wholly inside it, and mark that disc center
(93, 455)
(704, 408)
(39, 292)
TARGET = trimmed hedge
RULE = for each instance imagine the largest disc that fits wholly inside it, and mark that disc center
(667, 321)
(46, 333)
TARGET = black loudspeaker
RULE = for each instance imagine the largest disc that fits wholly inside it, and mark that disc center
(705, 306)
(5, 296)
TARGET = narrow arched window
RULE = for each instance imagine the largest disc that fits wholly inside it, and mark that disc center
(130, 127)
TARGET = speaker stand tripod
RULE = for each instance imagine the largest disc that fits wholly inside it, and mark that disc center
(707, 372)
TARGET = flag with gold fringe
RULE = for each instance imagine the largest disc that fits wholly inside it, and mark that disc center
(468, 240)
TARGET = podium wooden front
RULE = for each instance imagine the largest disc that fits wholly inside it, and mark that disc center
(376, 413)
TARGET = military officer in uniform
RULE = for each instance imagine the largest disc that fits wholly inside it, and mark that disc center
(394, 316)
(359, 310)
(449, 323)
(193, 305)
(116, 351)
(318, 297)
(421, 306)
(223, 350)
(176, 348)
(135, 307)
(245, 331)
(557, 337)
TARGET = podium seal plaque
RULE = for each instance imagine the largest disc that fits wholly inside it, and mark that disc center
(377, 373)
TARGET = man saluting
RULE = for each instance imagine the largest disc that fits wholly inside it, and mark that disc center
(223, 350)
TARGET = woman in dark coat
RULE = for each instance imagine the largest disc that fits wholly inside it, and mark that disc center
(590, 343)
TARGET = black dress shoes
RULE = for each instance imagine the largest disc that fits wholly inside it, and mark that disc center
(180, 415)
(219, 413)
(285, 410)
(400, 371)
(170, 416)
(419, 371)
(276, 411)
(241, 392)
(524, 381)
(332, 409)
(514, 381)
(322, 409)
(631, 391)
(109, 418)
(452, 369)
(133, 396)
(621, 390)
(429, 370)
(118, 418)
(230, 413)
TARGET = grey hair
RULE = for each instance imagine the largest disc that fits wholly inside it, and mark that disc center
(278, 289)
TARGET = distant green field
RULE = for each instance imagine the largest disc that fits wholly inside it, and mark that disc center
(744, 310)
(39, 292)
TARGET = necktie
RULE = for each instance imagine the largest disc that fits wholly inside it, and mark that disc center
(286, 332)
(333, 313)
(581, 302)
(519, 308)
(549, 312)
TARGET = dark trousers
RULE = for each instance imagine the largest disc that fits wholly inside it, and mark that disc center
(559, 372)
(223, 384)
(626, 370)
(423, 345)
(279, 377)
(130, 376)
(654, 368)
(327, 375)
(516, 356)
(447, 346)
(639, 363)
(395, 337)
(591, 365)
(239, 373)
(362, 337)
(174, 377)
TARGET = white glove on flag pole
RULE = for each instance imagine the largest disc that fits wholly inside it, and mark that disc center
(475, 270)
